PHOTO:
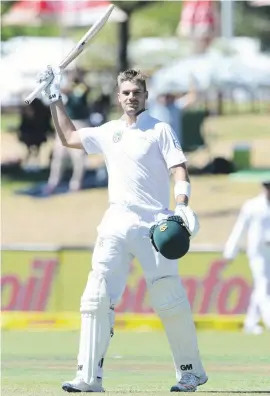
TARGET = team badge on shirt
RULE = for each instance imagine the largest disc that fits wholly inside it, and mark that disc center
(117, 136)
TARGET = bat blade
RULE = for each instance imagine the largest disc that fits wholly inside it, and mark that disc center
(92, 32)
(76, 51)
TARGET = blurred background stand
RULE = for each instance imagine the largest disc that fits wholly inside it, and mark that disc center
(63, 14)
(67, 13)
(199, 23)
(219, 78)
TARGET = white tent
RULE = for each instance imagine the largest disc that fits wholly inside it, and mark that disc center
(213, 70)
(30, 54)
(64, 12)
(250, 71)
(26, 57)
(176, 77)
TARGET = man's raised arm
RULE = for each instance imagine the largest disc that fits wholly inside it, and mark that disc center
(64, 126)
(62, 123)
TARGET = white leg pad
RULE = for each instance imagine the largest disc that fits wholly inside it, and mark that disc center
(169, 300)
(97, 322)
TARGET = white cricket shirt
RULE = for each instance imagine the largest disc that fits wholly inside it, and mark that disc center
(138, 159)
(253, 219)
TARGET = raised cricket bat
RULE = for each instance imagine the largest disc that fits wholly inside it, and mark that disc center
(76, 51)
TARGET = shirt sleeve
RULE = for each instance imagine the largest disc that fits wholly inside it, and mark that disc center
(170, 147)
(91, 139)
(242, 222)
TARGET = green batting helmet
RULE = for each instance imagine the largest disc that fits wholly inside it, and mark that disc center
(170, 237)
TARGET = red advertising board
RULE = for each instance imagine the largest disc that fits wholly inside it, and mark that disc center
(54, 281)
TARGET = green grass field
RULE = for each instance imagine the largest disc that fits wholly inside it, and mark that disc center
(35, 363)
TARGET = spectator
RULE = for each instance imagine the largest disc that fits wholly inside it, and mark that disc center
(169, 107)
(76, 95)
(254, 219)
(34, 128)
(100, 110)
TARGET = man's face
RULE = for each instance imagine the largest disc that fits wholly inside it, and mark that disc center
(132, 97)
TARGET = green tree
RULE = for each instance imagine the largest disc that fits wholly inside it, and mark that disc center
(253, 21)
(6, 5)
(7, 32)
(124, 29)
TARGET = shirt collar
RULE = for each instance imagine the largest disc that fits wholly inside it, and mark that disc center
(142, 116)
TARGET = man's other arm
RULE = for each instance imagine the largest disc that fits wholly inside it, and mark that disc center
(180, 174)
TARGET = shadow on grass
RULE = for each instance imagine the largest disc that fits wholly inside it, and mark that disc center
(220, 391)
(218, 213)
(16, 173)
(236, 391)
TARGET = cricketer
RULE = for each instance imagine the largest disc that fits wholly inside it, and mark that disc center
(141, 154)
(254, 220)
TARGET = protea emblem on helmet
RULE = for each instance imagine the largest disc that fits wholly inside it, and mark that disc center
(174, 243)
(163, 227)
(117, 136)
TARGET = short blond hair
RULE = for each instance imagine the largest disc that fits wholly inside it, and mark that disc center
(133, 75)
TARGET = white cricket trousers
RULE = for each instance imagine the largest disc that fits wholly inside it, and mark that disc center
(259, 306)
(123, 235)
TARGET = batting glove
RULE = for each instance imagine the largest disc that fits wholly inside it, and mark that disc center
(52, 76)
(189, 218)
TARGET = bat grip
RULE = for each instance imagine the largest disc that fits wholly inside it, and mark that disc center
(29, 99)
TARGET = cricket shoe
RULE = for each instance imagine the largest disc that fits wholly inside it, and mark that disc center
(189, 383)
(78, 385)
(257, 330)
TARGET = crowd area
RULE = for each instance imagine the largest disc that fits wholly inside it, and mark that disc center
(35, 126)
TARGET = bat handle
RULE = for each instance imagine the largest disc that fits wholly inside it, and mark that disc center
(29, 99)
